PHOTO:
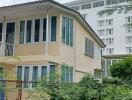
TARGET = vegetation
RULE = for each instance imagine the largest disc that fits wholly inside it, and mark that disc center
(88, 88)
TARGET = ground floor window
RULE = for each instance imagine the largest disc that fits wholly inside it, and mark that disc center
(66, 74)
(32, 73)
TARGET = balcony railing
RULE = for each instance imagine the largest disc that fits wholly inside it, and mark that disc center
(6, 49)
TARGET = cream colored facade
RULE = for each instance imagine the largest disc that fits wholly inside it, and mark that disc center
(48, 52)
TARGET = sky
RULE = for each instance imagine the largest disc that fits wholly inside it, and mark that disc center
(11, 2)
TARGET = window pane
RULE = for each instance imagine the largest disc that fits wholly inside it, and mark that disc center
(29, 31)
(67, 74)
(22, 28)
(1, 27)
(52, 72)
(26, 77)
(44, 29)
(43, 71)
(71, 74)
(71, 32)
(37, 30)
(63, 73)
(19, 73)
(67, 30)
(35, 75)
(63, 29)
(53, 28)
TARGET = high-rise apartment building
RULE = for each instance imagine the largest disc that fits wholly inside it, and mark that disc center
(114, 27)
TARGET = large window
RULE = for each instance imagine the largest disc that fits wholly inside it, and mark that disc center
(43, 71)
(35, 75)
(29, 31)
(44, 29)
(66, 74)
(67, 31)
(26, 77)
(98, 4)
(22, 30)
(1, 27)
(86, 6)
(37, 30)
(19, 72)
(89, 47)
(53, 28)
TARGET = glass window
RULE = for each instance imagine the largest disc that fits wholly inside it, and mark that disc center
(86, 6)
(1, 28)
(26, 77)
(52, 72)
(63, 73)
(67, 31)
(35, 75)
(98, 4)
(22, 29)
(19, 73)
(43, 71)
(44, 29)
(37, 30)
(29, 31)
(53, 28)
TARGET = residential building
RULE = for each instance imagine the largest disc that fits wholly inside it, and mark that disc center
(48, 38)
(112, 26)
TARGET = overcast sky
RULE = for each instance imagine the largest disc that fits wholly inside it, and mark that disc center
(11, 2)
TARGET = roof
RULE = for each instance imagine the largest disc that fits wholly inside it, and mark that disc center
(76, 14)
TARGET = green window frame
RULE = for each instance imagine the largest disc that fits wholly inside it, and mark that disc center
(53, 28)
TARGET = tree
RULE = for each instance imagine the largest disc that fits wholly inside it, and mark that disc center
(122, 69)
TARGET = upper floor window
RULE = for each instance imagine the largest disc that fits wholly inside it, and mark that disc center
(1, 28)
(101, 32)
(89, 47)
(110, 2)
(109, 31)
(109, 50)
(22, 31)
(37, 30)
(129, 49)
(101, 23)
(109, 22)
(129, 19)
(76, 7)
(29, 31)
(86, 6)
(53, 28)
(67, 31)
(109, 41)
(129, 29)
(98, 4)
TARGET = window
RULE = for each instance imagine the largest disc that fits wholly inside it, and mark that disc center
(84, 16)
(109, 41)
(67, 31)
(75, 8)
(109, 50)
(66, 74)
(26, 77)
(110, 2)
(37, 30)
(52, 72)
(109, 22)
(35, 75)
(129, 29)
(53, 28)
(22, 31)
(19, 73)
(129, 49)
(89, 47)
(97, 74)
(109, 31)
(129, 39)
(1, 28)
(102, 51)
(120, 1)
(86, 6)
(43, 71)
(44, 29)
(101, 32)
(128, 19)
(29, 31)
(98, 4)
(101, 23)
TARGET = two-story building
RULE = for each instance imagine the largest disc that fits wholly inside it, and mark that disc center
(47, 37)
